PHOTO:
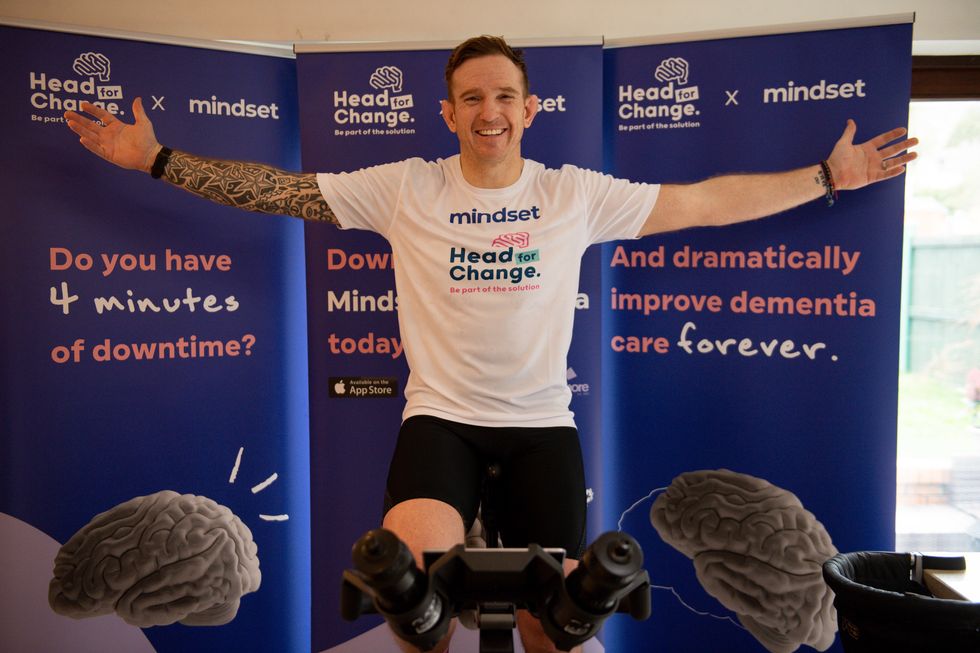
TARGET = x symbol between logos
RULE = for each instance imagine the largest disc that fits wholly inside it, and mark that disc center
(157, 103)
(731, 98)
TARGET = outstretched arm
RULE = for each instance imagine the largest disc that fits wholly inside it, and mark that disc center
(737, 198)
(250, 186)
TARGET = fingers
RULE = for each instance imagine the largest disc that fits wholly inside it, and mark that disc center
(898, 161)
(892, 150)
(888, 137)
(77, 121)
(97, 111)
(895, 166)
(892, 172)
(893, 160)
(893, 157)
(90, 132)
(82, 126)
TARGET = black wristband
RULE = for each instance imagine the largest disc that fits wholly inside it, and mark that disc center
(159, 163)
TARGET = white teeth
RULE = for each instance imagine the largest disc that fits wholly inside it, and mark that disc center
(490, 132)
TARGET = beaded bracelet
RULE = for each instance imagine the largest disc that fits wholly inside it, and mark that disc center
(827, 179)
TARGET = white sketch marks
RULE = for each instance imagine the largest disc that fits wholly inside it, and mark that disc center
(258, 487)
(700, 613)
(619, 524)
(266, 483)
(273, 517)
(238, 463)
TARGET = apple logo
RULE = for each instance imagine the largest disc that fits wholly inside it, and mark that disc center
(339, 387)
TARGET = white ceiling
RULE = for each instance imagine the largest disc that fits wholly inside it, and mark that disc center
(941, 26)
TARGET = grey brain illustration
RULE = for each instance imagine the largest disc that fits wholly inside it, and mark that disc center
(157, 560)
(755, 549)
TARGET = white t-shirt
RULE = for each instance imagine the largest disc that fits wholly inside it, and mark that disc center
(487, 278)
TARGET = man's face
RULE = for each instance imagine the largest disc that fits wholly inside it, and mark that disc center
(489, 111)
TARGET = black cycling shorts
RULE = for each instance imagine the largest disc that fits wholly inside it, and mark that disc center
(539, 496)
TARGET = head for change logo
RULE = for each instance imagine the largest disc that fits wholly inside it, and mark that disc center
(53, 93)
(384, 112)
(671, 103)
(508, 259)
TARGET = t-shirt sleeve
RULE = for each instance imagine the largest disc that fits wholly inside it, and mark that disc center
(616, 208)
(365, 198)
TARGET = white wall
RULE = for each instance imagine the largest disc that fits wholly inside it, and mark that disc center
(955, 23)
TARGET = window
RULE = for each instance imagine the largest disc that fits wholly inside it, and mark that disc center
(938, 501)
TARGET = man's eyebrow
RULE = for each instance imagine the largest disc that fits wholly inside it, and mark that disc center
(506, 89)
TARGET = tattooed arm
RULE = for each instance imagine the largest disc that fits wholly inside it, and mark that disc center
(250, 186)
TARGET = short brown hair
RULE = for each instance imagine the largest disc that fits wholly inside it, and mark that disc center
(484, 46)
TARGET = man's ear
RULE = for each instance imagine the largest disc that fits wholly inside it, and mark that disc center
(449, 115)
(531, 106)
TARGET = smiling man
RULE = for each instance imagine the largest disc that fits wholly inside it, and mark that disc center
(487, 247)
(488, 108)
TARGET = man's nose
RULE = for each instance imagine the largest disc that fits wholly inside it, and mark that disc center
(489, 110)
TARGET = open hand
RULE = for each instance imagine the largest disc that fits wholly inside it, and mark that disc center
(132, 146)
(854, 166)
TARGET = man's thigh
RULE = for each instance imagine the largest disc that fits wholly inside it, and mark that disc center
(432, 461)
(543, 493)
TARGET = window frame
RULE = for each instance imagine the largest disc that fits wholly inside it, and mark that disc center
(946, 77)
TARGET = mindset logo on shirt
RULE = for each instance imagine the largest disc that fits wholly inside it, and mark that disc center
(494, 217)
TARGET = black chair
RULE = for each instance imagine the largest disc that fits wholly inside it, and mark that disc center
(883, 606)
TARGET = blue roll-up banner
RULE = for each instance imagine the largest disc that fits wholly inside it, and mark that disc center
(364, 108)
(750, 372)
(154, 446)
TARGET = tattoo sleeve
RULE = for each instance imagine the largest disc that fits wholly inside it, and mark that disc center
(249, 186)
